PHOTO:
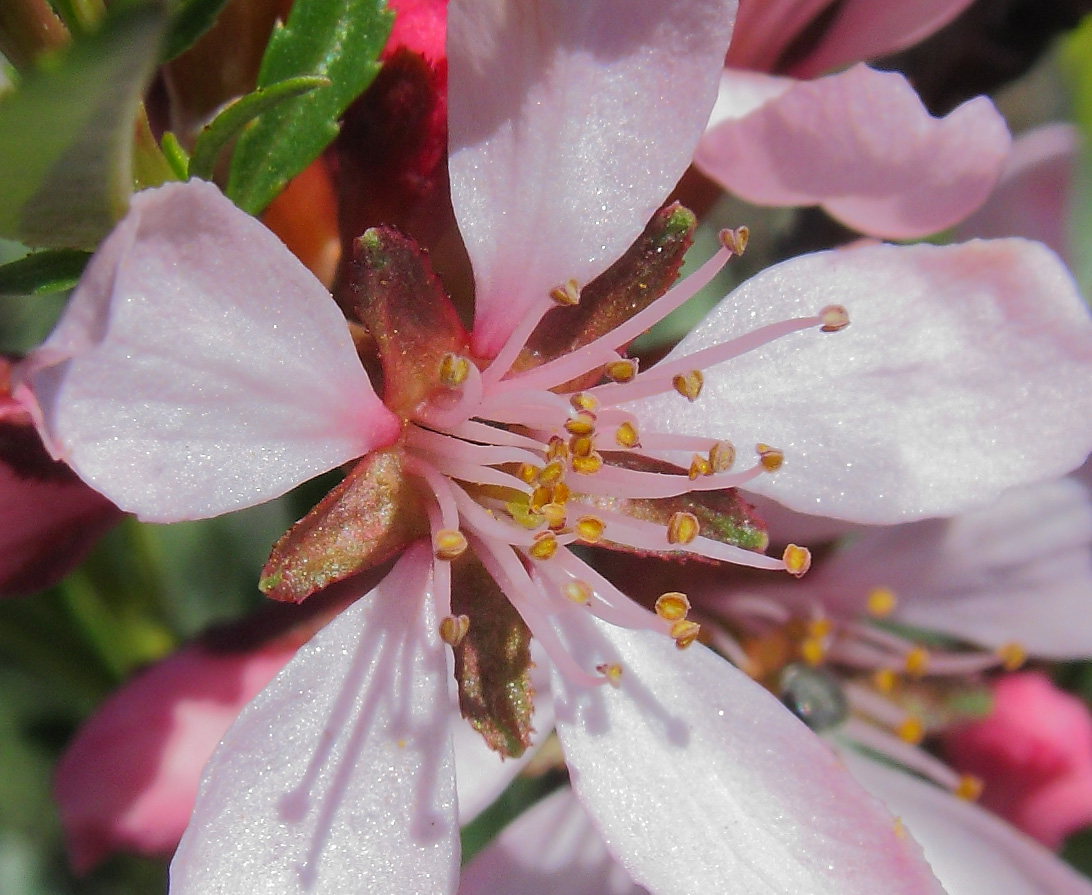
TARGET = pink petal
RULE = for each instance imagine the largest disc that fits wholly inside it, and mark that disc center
(550, 849)
(700, 780)
(199, 367)
(1018, 570)
(861, 145)
(766, 28)
(865, 29)
(128, 781)
(972, 851)
(570, 121)
(339, 777)
(1033, 195)
(962, 373)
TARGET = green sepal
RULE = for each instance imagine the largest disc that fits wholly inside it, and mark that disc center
(493, 660)
(335, 39)
(237, 115)
(41, 273)
(645, 272)
(190, 20)
(366, 519)
(66, 133)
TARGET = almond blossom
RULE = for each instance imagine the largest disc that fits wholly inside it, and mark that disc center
(199, 369)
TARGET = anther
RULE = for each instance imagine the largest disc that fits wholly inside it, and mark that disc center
(541, 496)
(453, 629)
(577, 592)
(589, 465)
(626, 435)
(911, 731)
(557, 448)
(581, 445)
(590, 529)
(567, 294)
(544, 546)
(1012, 656)
(552, 473)
(454, 369)
(584, 401)
(672, 606)
(735, 240)
(881, 602)
(834, 317)
(969, 788)
(562, 493)
(449, 543)
(685, 632)
(581, 424)
(622, 371)
(797, 560)
(771, 458)
(813, 651)
(885, 679)
(699, 466)
(612, 671)
(689, 385)
(917, 661)
(527, 473)
(722, 456)
(682, 528)
(555, 515)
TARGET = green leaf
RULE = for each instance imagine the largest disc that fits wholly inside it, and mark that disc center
(66, 133)
(191, 19)
(336, 39)
(41, 273)
(227, 125)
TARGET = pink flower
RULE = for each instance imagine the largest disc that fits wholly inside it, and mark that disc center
(1034, 755)
(200, 369)
(858, 143)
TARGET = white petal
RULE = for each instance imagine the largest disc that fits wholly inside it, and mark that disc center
(339, 776)
(701, 781)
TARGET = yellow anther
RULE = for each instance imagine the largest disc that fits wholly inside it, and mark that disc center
(612, 672)
(689, 385)
(885, 679)
(454, 369)
(627, 436)
(722, 456)
(524, 515)
(735, 240)
(834, 318)
(577, 591)
(881, 602)
(820, 627)
(672, 606)
(797, 560)
(453, 629)
(589, 465)
(581, 424)
(771, 458)
(545, 546)
(449, 543)
(557, 449)
(813, 651)
(552, 473)
(917, 661)
(567, 294)
(1013, 656)
(684, 632)
(699, 466)
(541, 496)
(911, 731)
(527, 473)
(969, 788)
(584, 401)
(590, 529)
(562, 493)
(581, 445)
(555, 515)
(682, 528)
(622, 371)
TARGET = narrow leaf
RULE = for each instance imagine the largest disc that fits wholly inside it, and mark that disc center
(52, 270)
(227, 125)
(336, 39)
(66, 133)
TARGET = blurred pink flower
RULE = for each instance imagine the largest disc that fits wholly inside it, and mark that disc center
(1034, 755)
(200, 369)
